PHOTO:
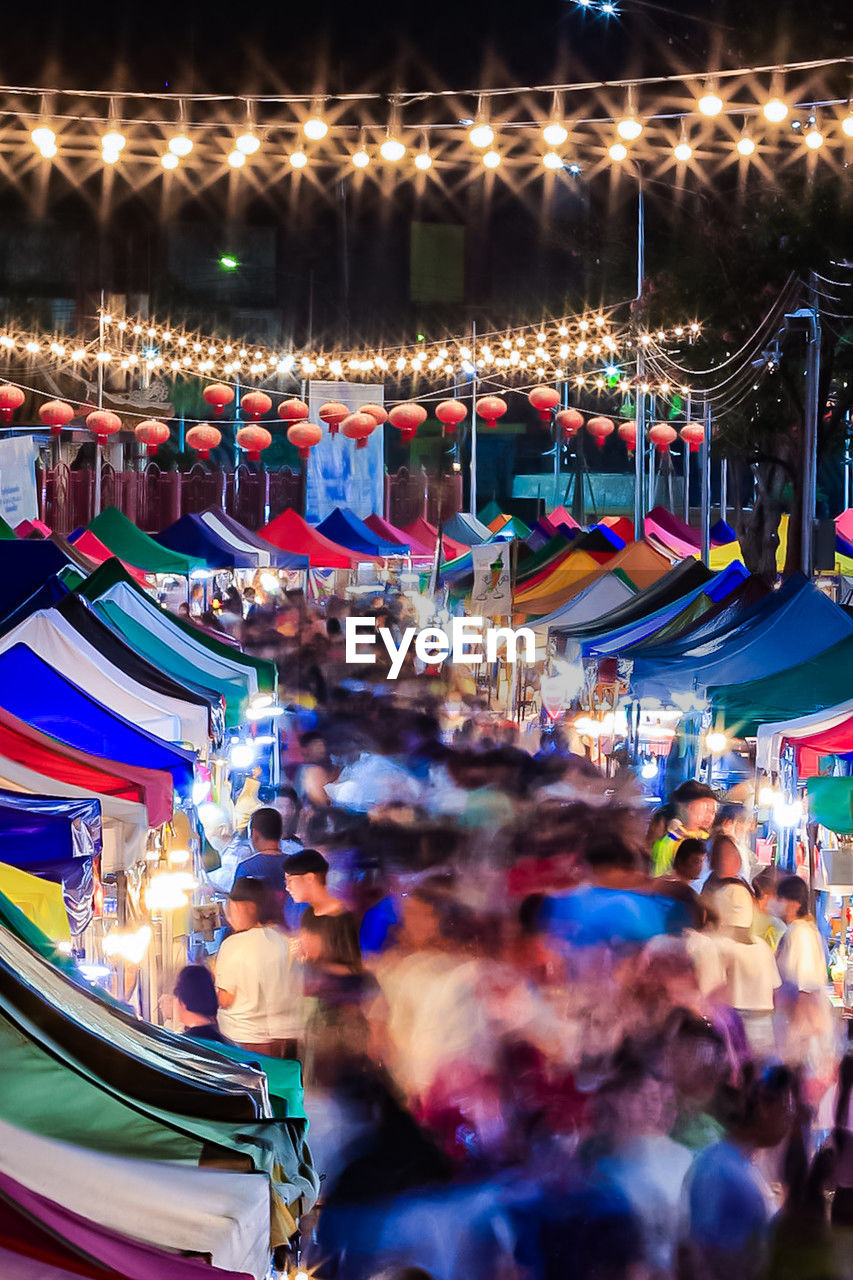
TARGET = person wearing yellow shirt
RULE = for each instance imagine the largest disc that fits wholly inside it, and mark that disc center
(695, 807)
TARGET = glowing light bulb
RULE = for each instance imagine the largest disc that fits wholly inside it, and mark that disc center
(682, 152)
(236, 159)
(630, 128)
(361, 159)
(315, 128)
(775, 110)
(423, 161)
(847, 125)
(482, 135)
(180, 145)
(716, 742)
(745, 145)
(618, 152)
(555, 133)
(113, 141)
(491, 159)
(247, 143)
(44, 140)
(552, 161)
(169, 160)
(814, 139)
(298, 159)
(710, 104)
(392, 150)
(109, 156)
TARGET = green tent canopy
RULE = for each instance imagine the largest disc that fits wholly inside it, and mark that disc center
(820, 682)
(111, 574)
(831, 803)
(135, 547)
(490, 512)
(6, 530)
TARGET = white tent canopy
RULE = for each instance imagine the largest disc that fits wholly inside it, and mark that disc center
(602, 595)
(771, 736)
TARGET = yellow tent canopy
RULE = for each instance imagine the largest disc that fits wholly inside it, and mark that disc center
(40, 901)
(722, 557)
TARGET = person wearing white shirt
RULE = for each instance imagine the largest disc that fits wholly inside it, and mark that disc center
(800, 954)
(752, 977)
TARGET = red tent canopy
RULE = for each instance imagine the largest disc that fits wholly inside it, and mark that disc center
(425, 533)
(835, 741)
(91, 546)
(291, 533)
(560, 516)
(35, 750)
(390, 532)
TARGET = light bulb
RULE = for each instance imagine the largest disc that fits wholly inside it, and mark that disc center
(649, 770)
(847, 125)
(247, 143)
(775, 110)
(814, 139)
(552, 161)
(482, 135)
(169, 160)
(392, 149)
(491, 159)
(109, 156)
(710, 104)
(44, 139)
(361, 159)
(113, 141)
(630, 128)
(236, 159)
(618, 152)
(423, 161)
(682, 152)
(745, 145)
(298, 159)
(315, 128)
(716, 742)
(555, 133)
(180, 145)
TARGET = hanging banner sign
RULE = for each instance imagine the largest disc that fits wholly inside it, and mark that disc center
(18, 497)
(339, 475)
(492, 593)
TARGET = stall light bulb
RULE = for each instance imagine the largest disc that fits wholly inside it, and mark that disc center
(44, 140)
(242, 756)
(814, 139)
(847, 125)
(710, 104)
(247, 143)
(482, 135)
(124, 945)
(180, 145)
(745, 145)
(767, 796)
(361, 159)
(169, 160)
(298, 159)
(423, 161)
(552, 161)
(236, 159)
(649, 770)
(491, 159)
(716, 742)
(629, 128)
(315, 128)
(109, 156)
(618, 152)
(113, 141)
(392, 150)
(555, 133)
(775, 110)
(682, 152)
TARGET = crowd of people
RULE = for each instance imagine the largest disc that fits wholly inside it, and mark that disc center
(542, 1033)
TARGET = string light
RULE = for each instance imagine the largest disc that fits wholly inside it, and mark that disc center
(618, 152)
(482, 135)
(814, 139)
(169, 160)
(710, 104)
(180, 146)
(629, 128)
(298, 159)
(392, 150)
(247, 143)
(745, 145)
(775, 110)
(44, 140)
(847, 125)
(360, 158)
(682, 151)
(315, 128)
(555, 133)
(492, 159)
(236, 159)
(423, 161)
(552, 160)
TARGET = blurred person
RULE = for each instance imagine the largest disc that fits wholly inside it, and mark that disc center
(752, 977)
(695, 807)
(728, 1203)
(800, 954)
(733, 821)
(196, 1005)
(688, 862)
(305, 876)
(766, 923)
(658, 826)
(266, 863)
(348, 1014)
(807, 1033)
(258, 985)
(698, 1063)
(725, 863)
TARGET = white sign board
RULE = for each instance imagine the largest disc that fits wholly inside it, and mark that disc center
(18, 498)
(491, 596)
(339, 474)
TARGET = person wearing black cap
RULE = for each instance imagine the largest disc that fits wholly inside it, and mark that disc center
(196, 1004)
(305, 875)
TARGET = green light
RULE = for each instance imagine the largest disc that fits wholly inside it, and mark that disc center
(421, 337)
(228, 263)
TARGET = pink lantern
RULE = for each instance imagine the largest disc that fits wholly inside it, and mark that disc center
(253, 440)
(570, 422)
(11, 398)
(376, 412)
(152, 434)
(544, 401)
(490, 408)
(662, 435)
(359, 427)
(294, 410)
(304, 436)
(693, 434)
(333, 414)
(407, 418)
(56, 414)
(628, 432)
(103, 423)
(600, 429)
(450, 413)
(203, 438)
(255, 404)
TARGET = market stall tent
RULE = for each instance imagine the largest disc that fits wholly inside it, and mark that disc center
(243, 539)
(291, 533)
(26, 567)
(130, 544)
(830, 730)
(673, 584)
(595, 601)
(345, 528)
(390, 533)
(40, 900)
(426, 534)
(191, 536)
(466, 529)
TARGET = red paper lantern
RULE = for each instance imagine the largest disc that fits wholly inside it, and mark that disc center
(407, 418)
(451, 413)
(628, 432)
(359, 427)
(152, 434)
(544, 401)
(376, 412)
(662, 436)
(333, 414)
(490, 408)
(294, 410)
(56, 414)
(11, 398)
(104, 423)
(570, 422)
(600, 429)
(203, 438)
(693, 433)
(304, 435)
(255, 404)
(253, 440)
(218, 396)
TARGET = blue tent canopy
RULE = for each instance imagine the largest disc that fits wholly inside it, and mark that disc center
(722, 533)
(41, 829)
(45, 597)
(276, 557)
(466, 529)
(793, 624)
(27, 565)
(345, 528)
(190, 536)
(38, 695)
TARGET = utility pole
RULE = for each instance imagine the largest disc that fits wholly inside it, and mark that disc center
(810, 434)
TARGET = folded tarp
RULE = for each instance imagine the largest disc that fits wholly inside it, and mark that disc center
(244, 540)
(291, 533)
(344, 527)
(37, 694)
(191, 536)
(826, 732)
(678, 537)
(802, 624)
(204, 1211)
(41, 901)
(135, 547)
(490, 513)
(591, 604)
(466, 529)
(390, 533)
(27, 565)
(422, 531)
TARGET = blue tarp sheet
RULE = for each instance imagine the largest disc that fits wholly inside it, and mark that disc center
(345, 528)
(39, 829)
(38, 695)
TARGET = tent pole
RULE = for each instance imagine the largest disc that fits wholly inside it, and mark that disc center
(472, 488)
(706, 484)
